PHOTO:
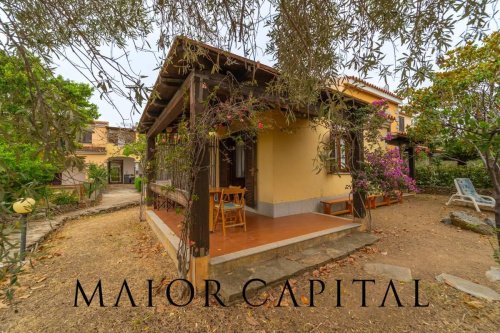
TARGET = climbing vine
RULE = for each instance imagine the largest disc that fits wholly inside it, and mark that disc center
(181, 150)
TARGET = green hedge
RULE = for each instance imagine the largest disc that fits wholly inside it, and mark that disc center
(64, 198)
(443, 175)
(138, 183)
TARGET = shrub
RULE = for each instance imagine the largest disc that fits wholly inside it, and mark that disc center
(443, 175)
(384, 172)
(64, 198)
(138, 183)
(98, 175)
(23, 172)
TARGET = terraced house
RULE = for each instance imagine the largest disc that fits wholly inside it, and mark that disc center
(103, 145)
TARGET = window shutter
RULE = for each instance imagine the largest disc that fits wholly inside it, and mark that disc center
(332, 158)
(401, 124)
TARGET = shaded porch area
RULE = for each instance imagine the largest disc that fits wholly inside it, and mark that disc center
(263, 230)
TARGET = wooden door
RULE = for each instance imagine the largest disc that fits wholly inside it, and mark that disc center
(251, 172)
(228, 165)
(115, 172)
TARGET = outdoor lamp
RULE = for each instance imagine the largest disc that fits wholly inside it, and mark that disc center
(23, 206)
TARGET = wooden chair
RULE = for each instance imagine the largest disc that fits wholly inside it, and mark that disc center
(231, 209)
(216, 196)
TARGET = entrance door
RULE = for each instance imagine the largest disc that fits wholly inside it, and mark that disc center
(115, 171)
(237, 167)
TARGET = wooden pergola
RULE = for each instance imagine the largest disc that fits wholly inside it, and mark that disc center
(181, 89)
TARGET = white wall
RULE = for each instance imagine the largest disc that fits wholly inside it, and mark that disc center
(72, 176)
(128, 166)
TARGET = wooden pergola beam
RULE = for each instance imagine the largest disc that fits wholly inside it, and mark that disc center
(257, 91)
(172, 109)
(171, 81)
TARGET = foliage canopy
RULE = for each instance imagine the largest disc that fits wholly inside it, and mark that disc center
(310, 40)
(463, 103)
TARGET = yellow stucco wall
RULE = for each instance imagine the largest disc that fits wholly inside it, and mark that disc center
(99, 134)
(94, 158)
(369, 98)
(286, 168)
(99, 140)
(285, 157)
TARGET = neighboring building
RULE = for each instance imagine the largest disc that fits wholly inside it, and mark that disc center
(103, 145)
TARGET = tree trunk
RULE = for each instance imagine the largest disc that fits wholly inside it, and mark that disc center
(149, 171)
(141, 203)
(493, 169)
(497, 215)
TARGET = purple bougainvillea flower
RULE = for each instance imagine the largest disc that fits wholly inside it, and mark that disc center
(385, 172)
(379, 102)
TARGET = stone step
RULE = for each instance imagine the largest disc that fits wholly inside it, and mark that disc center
(279, 269)
(229, 262)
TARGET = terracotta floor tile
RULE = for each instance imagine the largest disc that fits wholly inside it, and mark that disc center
(261, 229)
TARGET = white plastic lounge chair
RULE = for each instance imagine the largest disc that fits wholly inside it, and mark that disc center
(467, 193)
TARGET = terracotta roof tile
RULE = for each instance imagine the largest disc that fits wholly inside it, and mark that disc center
(93, 149)
(368, 84)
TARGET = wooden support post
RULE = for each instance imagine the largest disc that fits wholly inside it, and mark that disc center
(411, 161)
(200, 207)
(149, 172)
(357, 140)
(358, 198)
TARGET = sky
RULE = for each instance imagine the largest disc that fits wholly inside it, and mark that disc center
(144, 63)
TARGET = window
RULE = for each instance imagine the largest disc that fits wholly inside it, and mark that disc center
(339, 156)
(57, 179)
(240, 160)
(401, 124)
(86, 136)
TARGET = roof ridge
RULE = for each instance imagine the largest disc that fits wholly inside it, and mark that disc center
(355, 78)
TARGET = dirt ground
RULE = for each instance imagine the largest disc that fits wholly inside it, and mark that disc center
(115, 246)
